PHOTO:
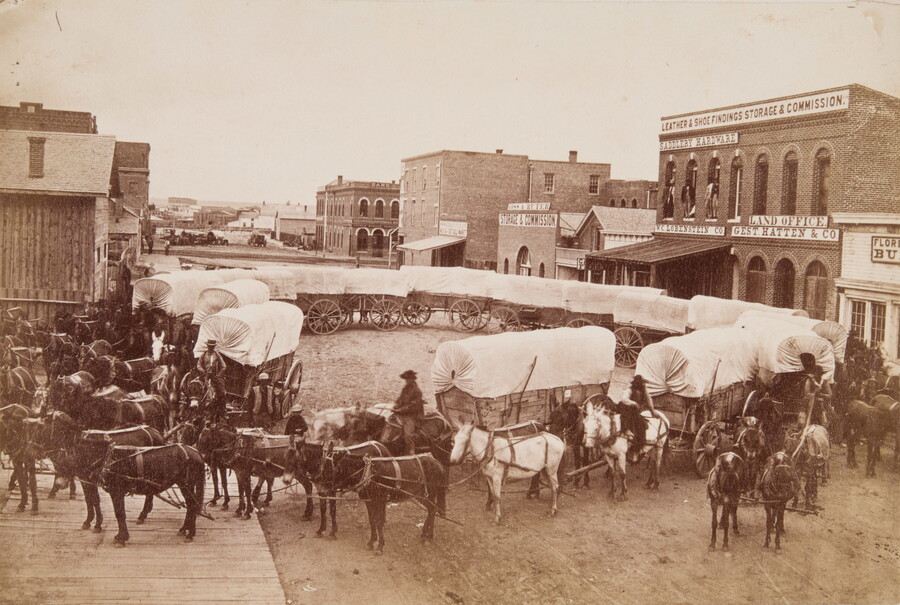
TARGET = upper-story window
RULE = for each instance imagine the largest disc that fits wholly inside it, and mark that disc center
(379, 209)
(413, 187)
(668, 201)
(395, 209)
(736, 187)
(789, 184)
(424, 177)
(549, 182)
(412, 213)
(36, 156)
(689, 190)
(364, 207)
(712, 189)
(634, 202)
(612, 203)
(405, 180)
(594, 185)
(822, 184)
(622, 203)
(760, 185)
(437, 176)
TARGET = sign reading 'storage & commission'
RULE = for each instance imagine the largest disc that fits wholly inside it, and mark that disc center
(886, 249)
(528, 220)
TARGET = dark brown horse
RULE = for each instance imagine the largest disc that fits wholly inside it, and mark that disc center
(724, 485)
(867, 422)
(15, 440)
(434, 434)
(751, 446)
(779, 484)
(112, 408)
(150, 471)
(566, 422)
(887, 402)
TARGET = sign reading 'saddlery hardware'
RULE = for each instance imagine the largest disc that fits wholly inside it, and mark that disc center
(886, 249)
(528, 220)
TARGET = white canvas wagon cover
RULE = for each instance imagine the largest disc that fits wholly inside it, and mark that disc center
(317, 280)
(646, 308)
(529, 291)
(253, 334)
(712, 312)
(177, 293)
(695, 364)
(831, 331)
(493, 366)
(585, 297)
(234, 294)
(780, 344)
(384, 282)
(280, 281)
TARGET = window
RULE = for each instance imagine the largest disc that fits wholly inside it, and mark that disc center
(424, 177)
(877, 332)
(668, 202)
(789, 184)
(784, 284)
(549, 182)
(633, 202)
(756, 280)
(362, 241)
(816, 290)
(689, 191)
(436, 215)
(612, 203)
(379, 209)
(734, 193)
(506, 266)
(858, 319)
(712, 188)
(36, 157)
(541, 270)
(822, 183)
(760, 185)
(405, 183)
(523, 262)
(622, 203)
(364, 207)
(437, 176)
(594, 185)
(867, 321)
(395, 209)
(378, 243)
(412, 214)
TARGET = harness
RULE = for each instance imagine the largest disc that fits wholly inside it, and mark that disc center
(490, 453)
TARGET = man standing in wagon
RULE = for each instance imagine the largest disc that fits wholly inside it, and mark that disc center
(409, 410)
(211, 367)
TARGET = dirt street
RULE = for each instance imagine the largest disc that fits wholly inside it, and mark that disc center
(651, 548)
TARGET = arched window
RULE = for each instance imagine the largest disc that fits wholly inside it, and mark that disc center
(541, 270)
(668, 201)
(822, 183)
(395, 209)
(789, 184)
(712, 188)
(379, 209)
(689, 191)
(633, 203)
(612, 203)
(523, 261)
(364, 207)
(362, 241)
(784, 284)
(378, 243)
(735, 188)
(815, 295)
(760, 185)
(756, 280)
(412, 213)
(506, 266)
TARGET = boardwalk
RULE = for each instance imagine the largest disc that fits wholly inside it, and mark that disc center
(47, 558)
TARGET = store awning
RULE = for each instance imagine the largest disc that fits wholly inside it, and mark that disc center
(658, 251)
(432, 243)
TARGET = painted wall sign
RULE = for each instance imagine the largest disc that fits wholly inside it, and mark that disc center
(529, 220)
(760, 112)
(458, 228)
(534, 206)
(762, 220)
(886, 249)
(713, 140)
(691, 229)
(804, 233)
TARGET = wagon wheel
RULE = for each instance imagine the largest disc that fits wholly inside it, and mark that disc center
(706, 447)
(324, 317)
(579, 322)
(386, 314)
(416, 314)
(628, 346)
(465, 315)
(503, 319)
(294, 377)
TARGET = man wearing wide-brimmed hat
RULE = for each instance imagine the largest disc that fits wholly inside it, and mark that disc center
(409, 410)
(817, 390)
(211, 367)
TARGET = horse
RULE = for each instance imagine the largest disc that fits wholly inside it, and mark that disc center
(724, 485)
(14, 440)
(66, 393)
(304, 459)
(603, 428)
(778, 484)
(217, 448)
(327, 422)
(150, 471)
(566, 422)
(886, 401)
(811, 451)
(502, 458)
(96, 349)
(419, 477)
(17, 385)
(864, 420)
(751, 446)
(112, 408)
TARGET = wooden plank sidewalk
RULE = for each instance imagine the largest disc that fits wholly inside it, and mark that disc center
(47, 558)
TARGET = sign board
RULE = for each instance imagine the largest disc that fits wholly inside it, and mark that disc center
(458, 228)
(691, 229)
(713, 140)
(760, 112)
(579, 263)
(529, 220)
(804, 233)
(789, 221)
(533, 206)
(886, 249)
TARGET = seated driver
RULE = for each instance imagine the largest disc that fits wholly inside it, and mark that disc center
(409, 410)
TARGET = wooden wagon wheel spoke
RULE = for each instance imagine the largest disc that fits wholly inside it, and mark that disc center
(465, 315)
(706, 448)
(503, 319)
(324, 317)
(416, 314)
(628, 346)
(579, 322)
(386, 314)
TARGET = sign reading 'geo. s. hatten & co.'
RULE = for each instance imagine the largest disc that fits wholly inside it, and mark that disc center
(886, 249)
(811, 228)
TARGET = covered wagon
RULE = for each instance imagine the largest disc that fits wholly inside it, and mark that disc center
(231, 295)
(644, 315)
(713, 312)
(465, 295)
(504, 379)
(831, 331)
(177, 293)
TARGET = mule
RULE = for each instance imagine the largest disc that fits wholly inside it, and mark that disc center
(778, 484)
(602, 428)
(867, 421)
(92, 351)
(501, 458)
(150, 471)
(14, 440)
(566, 422)
(724, 485)
(112, 408)
(886, 401)
(17, 385)
(810, 454)
(217, 448)
(753, 449)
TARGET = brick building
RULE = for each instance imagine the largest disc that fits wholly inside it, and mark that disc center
(357, 218)
(33, 116)
(747, 193)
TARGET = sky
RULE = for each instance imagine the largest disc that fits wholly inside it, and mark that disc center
(269, 100)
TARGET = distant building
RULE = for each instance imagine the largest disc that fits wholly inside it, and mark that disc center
(296, 225)
(33, 116)
(357, 218)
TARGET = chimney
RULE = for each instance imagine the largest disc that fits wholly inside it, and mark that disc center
(340, 179)
(499, 151)
(573, 157)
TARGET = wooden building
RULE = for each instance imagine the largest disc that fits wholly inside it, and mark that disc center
(54, 219)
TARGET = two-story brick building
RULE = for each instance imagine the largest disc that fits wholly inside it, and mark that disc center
(747, 193)
(357, 218)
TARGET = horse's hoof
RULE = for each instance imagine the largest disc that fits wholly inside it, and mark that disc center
(379, 552)
(20, 509)
(307, 518)
(246, 517)
(85, 526)
(238, 513)
(332, 537)
(724, 548)
(552, 512)
(224, 507)
(34, 511)
(182, 532)
(72, 497)
(711, 548)
(51, 496)
(97, 530)
(736, 533)
(118, 544)
(369, 545)
(139, 521)
(188, 539)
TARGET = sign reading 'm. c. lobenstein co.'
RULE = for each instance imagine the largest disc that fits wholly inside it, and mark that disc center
(834, 100)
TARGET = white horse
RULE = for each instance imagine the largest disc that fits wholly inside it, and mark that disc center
(502, 458)
(159, 345)
(603, 429)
